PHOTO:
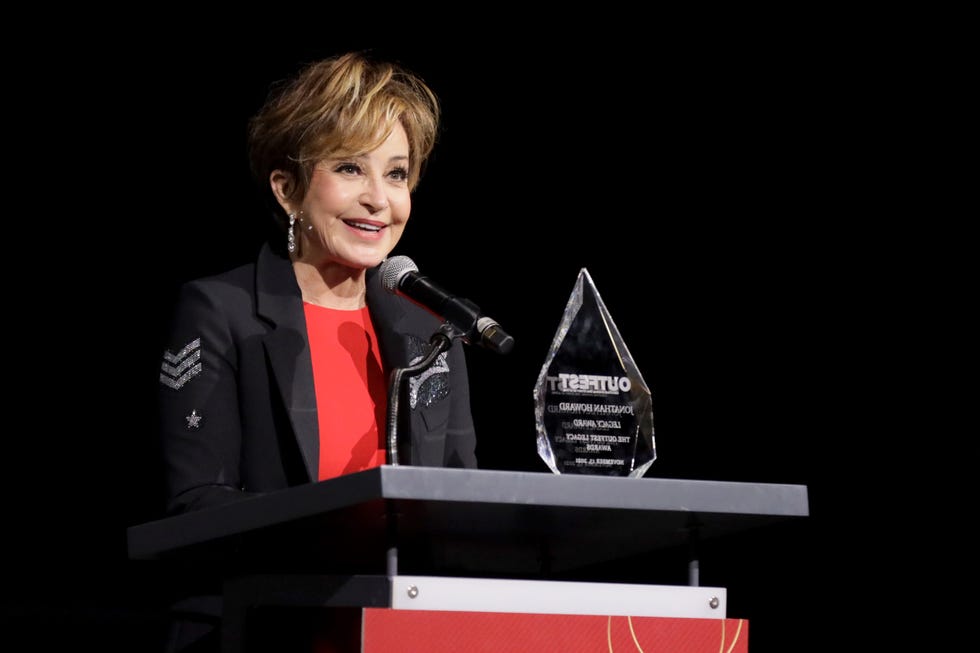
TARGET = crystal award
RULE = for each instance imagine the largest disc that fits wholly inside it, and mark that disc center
(593, 411)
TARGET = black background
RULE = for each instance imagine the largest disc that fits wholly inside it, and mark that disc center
(708, 179)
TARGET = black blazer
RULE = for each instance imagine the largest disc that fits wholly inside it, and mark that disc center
(237, 406)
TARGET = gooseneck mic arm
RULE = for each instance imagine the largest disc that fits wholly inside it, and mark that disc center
(441, 341)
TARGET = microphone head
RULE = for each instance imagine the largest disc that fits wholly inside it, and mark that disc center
(394, 269)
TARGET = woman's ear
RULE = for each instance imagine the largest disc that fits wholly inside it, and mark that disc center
(282, 187)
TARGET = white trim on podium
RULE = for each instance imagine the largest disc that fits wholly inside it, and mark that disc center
(557, 597)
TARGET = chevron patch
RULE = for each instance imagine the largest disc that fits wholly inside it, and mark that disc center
(177, 369)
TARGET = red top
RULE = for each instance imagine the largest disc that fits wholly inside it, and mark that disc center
(351, 392)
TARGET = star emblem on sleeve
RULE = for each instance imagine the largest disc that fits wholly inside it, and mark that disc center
(193, 420)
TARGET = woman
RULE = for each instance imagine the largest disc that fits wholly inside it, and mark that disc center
(275, 373)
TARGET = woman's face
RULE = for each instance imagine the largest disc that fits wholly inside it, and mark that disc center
(356, 207)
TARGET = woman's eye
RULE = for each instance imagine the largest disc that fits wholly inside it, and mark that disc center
(348, 168)
(399, 174)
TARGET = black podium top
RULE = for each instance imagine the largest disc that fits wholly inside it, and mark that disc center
(466, 521)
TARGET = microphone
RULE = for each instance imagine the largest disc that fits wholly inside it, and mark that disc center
(400, 276)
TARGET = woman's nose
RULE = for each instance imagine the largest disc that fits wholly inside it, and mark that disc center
(375, 194)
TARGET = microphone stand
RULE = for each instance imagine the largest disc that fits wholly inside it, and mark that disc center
(441, 340)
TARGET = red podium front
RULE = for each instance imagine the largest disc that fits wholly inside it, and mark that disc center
(421, 631)
(443, 615)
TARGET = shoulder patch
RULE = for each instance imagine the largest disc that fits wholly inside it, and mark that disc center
(179, 368)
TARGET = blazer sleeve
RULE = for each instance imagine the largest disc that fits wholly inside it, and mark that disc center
(199, 418)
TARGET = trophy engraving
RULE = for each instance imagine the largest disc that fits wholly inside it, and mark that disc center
(593, 410)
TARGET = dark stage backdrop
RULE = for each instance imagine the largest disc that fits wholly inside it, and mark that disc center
(690, 181)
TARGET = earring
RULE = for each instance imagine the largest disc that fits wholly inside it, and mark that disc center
(290, 234)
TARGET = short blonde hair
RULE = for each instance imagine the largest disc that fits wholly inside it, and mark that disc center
(340, 106)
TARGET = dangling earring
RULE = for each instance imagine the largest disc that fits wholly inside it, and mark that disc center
(290, 234)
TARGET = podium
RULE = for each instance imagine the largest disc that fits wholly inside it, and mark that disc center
(493, 552)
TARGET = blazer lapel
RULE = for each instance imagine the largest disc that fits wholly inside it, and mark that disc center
(391, 323)
(278, 300)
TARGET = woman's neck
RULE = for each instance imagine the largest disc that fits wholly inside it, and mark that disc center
(332, 286)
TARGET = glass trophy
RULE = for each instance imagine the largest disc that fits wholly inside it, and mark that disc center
(593, 410)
